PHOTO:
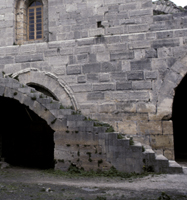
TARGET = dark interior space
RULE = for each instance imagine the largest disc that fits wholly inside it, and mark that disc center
(43, 90)
(27, 140)
(179, 118)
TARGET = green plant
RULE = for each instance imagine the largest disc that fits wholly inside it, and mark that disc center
(15, 93)
(110, 129)
(67, 131)
(164, 196)
(119, 136)
(78, 112)
(74, 171)
(143, 148)
(41, 96)
(100, 198)
(33, 98)
(131, 142)
(32, 91)
(62, 107)
(68, 145)
(53, 121)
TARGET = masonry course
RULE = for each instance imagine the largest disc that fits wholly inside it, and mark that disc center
(126, 69)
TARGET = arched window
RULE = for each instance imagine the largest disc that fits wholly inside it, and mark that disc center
(31, 24)
(35, 21)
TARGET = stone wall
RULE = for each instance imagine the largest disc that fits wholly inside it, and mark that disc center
(111, 57)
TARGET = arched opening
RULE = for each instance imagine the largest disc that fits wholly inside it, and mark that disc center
(26, 139)
(43, 90)
(180, 121)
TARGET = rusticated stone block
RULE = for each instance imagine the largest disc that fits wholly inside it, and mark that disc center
(135, 75)
(167, 127)
(126, 127)
(141, 65)
(95, 96)
(161, 141)
(150, 127)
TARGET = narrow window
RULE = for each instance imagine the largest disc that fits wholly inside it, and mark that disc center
(35, 21)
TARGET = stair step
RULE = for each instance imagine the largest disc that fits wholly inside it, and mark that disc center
(174, 167)
(149, 151)
(161, 158)
(137, 144)
(173, 163)
(185, 170)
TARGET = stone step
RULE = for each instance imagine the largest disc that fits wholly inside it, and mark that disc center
(53, 105)
(174, 167)
(44, 101)
(184, 170)
(75, 118)
(61, 113)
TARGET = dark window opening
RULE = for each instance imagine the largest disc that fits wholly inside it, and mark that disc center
(99, 25)
(180, 121)
(26, 139)
(43, 90)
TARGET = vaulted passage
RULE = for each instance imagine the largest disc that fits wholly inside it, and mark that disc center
(26, 139)
(180, 121)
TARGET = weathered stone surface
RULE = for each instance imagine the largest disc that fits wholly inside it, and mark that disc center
(114, 56)
(161, 141)
(151, 127)
(167, 127)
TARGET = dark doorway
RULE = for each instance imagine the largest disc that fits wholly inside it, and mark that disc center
(27, 140)
(179, 117)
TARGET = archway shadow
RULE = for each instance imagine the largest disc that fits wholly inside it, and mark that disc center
(179, 117)
(27, 140)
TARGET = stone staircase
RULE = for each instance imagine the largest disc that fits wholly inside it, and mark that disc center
(83, 142)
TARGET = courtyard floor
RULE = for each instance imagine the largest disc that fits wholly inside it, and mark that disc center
(32, 184)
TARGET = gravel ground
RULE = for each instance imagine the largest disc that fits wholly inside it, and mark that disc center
(32, 184)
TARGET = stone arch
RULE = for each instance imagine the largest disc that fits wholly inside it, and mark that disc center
(20, 10)
(167, 90)
(57, 87)
(16, 92)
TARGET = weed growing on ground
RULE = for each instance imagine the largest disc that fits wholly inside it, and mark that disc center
(74, 171)
(164, 196)
(100, 198)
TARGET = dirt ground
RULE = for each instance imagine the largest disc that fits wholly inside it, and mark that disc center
(32, 184)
